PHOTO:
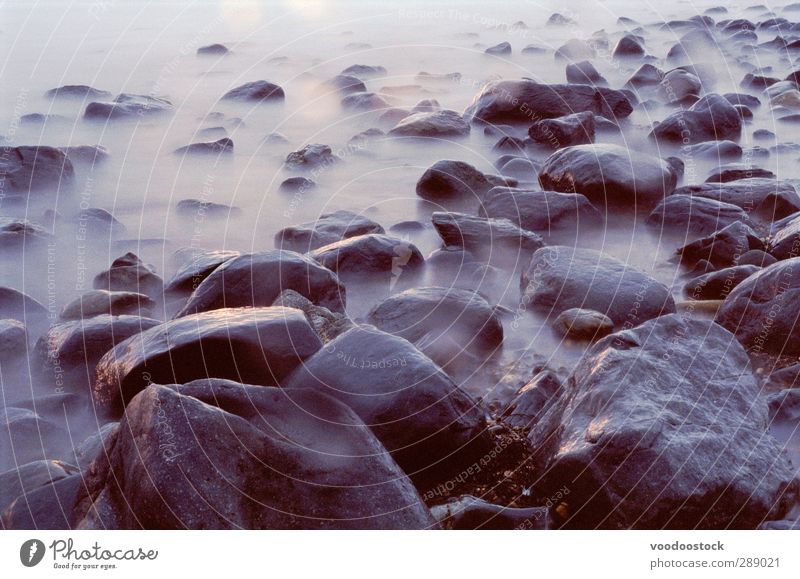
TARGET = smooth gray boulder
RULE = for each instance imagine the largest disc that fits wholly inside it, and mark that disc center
(256, 91)
(768, 198)
(436, 124)
(484, 236)
(128, 107)
(328, 228)
(29, 169)
(370, 255)
(712, 118)
(716, 285)
(576, 129)
(452, 180)
(688, 215)
(192, 273)
(663, 427)
(560, 278)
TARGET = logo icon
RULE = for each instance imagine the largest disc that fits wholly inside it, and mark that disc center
(32, 552)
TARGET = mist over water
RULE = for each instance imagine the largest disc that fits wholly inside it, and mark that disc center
(149, 48)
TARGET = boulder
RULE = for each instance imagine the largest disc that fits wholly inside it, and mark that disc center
(256, 279)
(767, 197)
(15, 305)
(76, 91)
(198, 268)
(365, 101)
(584, 72)
(484, 236)
(712, 118)
(13, 340)
(365, 71)
(738, 172)
(256, 91)
(504, 48)
(218, 147)
(694, 216)
(255, 345)
(99, 302)
(560, 278)
(373, 254)
(716, 285)
(27, 436)
(431, 427)
(128, 107)
(35, 169)
(609, 175)
(583, 324)
(452, 180)
(547, 213)
(437, 124)
(199, 209)
(30, 476)
(577, 129)
(344, 84)
(129, 273)
(715, 151)
(646, 75)
(213, 50)
(629, 47)
(764, 310)
(722, 248)
(785, 242)
(328, 228)
(268, 459)
(47, 507)
(468, 513)
(313, 156)
(520, 101)
(662, 427)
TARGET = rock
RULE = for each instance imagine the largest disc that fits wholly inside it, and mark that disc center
(276, 139)
(25, 436)
(213, 50)
(221, 146)
(256, 91)
(131, 274)
(547, 213)
(99, 302)
(76, 91)
(13, 341)
(520, 101)
(757, 81)
(45, 508)
(431, 427)
(766, 197)
(577, 129)
(297, 184)
(503, 48)
(722, 248)
(584, 72)
(373, 254)
(35, 169)
(519, 168)
(313, 156)
(533, 400)
(736, 173)
(258, 345)
(128, 106)
(718, 284)
(426, 106)
(192, 273)
(747, 100)
(678, 84)
(557, 19)
(68, 353)
(444, 123)
(30, 476)
(715, 151)
(86, 154)
(440, 319)
(609, 175)
(560, 278)
(390, 117)
(365, 71)
(637, 408)
(364, 101)
(785, 378)
(328, 228)
(629, 46)
(583, 324)
(16, 305)
(327, 324)
(199, 209)
(756, 257)
(763, 310)
(345, 84)
(213, 132)
(511, 145)
(256, 279)
(692, 215)
(712, 118)
(471, 513)
(646, 75)
(269, 459)
(18, 234)
(575, 50)
(484, 236)
(452, 180)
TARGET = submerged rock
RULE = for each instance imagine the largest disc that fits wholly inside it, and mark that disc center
(583, 324)
(716, 285)
(213, 50)
(256, 91)
(328, 228)
(452, 180)
(712, 118)
(131, 274)
(254, 345)
(722, 248)
(373, 254)
(13, 340)
(631, 431)
(221, 146)
(444, 123)
(128, 106)
(691, 215)
(35, 169)
(192, 273)
(560, 278)
(484, 236)
(310, 157)
(577, 129)
(76, 91)
(768, 197)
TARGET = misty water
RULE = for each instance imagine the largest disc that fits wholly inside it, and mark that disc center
(149, 48)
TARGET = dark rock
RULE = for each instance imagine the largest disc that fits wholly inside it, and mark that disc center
(26, 436)
(16, 233)
(13, 340)
(221, 146)
(665, 468)
(373, 254)
(722, 248)
(128, 106)
(327, 324)
(313, 156)
(268, 459)
(756, 81)
(583, 324)
(691, 215)
(86, 154)
(115, 303)
(557, 19)
(767, 197)
(789, 378)
(718, 284)
(28, 477)
(728, 174)
(763, 310)
(365, 71)
(471, 513)
(68, 353)
(199, 209)
(260, 345)
(747, 100)
(503, 48)
(484, 236)
(646, 75)
(746, 113)
(584, 72)
(533, 400)
(256, 279)
(609, 175)
(712, 118)
(364, 101)
(678, 85)
(519, 101)
(47, 507)
(192, 273)
(213, 50)
(444, 123)
(756, 257)
(426, 106)
(629, 46)
(129, 273)
(33, 169)
(560, 278)
(714, 150)
(452, 180)
(297, 184)
(575, 50)
(329, 228)
(258, 91)
(76, 91)
(16, 305)
(547, 213)
(431, 427)
(577, 129)
(510, 145)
